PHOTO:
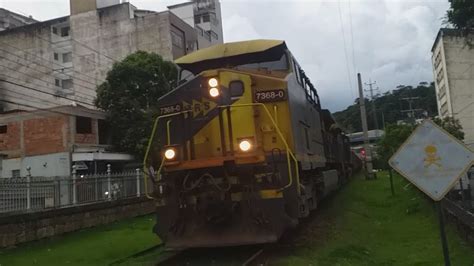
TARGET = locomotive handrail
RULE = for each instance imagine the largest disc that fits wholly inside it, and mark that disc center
(150, 140)
(288, 151)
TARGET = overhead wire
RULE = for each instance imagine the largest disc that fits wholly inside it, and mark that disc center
(345, 50)
(37, 90)
(42, 102)
(36, 108)
(80, 43)
(352, 38)
(48, 86)
(85, 96)
(62, 67)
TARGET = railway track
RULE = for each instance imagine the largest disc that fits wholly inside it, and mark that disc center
(158, 255)
(244, 255)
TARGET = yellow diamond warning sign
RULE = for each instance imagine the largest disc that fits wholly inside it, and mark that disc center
(432, 160)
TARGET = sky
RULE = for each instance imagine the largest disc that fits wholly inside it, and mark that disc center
(387, 41)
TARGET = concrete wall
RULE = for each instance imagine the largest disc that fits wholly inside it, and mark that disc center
(27, 59)
(23, 228)
(460, 73)
(110, 34)
(10, 19)
(56, 164)
(185, 12)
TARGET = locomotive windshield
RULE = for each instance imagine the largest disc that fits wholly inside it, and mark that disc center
(276, 65)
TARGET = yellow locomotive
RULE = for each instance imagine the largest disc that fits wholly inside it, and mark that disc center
(241, 149)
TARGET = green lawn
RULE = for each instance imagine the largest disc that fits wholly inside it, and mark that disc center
(361, 225)
(98, 246)
(365, 225)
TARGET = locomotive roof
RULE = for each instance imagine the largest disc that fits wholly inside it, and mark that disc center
(233, 53)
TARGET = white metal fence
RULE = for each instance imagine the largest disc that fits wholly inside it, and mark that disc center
(41, 193)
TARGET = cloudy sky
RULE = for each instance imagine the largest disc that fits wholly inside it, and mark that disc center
(387, 41)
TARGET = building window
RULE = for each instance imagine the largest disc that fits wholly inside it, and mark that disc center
(55, 30)
(66, 84)
(197, 19)
(67, 57)
(65, 31)
(83, 125)
(57, 82)
(176, 39)
(214, 20)
(56, 56)
(3, 129)
(16, 173)
(206, 18)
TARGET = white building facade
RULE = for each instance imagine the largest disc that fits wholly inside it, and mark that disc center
(453, 69)
(205, 16)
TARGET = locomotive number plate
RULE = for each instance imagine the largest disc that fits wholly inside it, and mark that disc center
(270, 96)
(175, 108)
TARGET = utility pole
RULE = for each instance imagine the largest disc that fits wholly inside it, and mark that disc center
(363, 116)
(371, 90)
(410, 110)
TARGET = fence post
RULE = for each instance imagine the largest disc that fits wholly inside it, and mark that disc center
(74, 187)
(109, 185)
(28, 188)
(138, 181)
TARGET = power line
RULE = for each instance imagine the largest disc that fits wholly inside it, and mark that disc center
(41, 100)
(50, 61)
(352, 38)
(87, 96)
(371, 89)
(84, 45)
(53, 70)
(46, 86)
(345, 50)
(36, 109)
(52, 94)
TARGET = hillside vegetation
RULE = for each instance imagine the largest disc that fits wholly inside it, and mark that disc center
(389, 106)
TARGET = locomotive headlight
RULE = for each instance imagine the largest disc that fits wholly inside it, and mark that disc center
(213, 82)
(214, 92)
(170, 153)
(245, 145)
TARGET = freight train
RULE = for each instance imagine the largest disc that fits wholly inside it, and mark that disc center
(241, 150)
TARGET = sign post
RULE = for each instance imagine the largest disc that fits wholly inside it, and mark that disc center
(433, 161)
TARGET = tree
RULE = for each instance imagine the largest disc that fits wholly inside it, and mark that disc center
(452, 125)
(393, 138)
(389, 107)
(461, 15)
(129, 97)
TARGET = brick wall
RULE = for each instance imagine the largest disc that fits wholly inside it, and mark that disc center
(22, 228)
(10, 141)
(45, 135)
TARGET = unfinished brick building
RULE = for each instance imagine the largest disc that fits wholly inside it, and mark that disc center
(49, 141)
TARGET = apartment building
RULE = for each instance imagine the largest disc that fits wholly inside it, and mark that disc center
(453, 69)
(61, 61)
(205, 16)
